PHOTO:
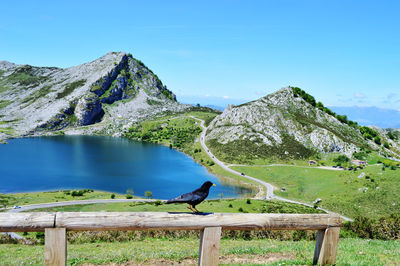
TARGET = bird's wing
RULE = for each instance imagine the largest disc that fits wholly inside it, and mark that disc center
(183, 198)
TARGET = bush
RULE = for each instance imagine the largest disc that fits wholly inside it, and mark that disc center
(157, 203)
(386, 145)
(377, 140)
(360, 155)
(386, 228)
(230, 206)
(113, 196)
(148, 194)
(77, 193)
(248, 201)
(128, 196)
(341, 159)
(240, 209)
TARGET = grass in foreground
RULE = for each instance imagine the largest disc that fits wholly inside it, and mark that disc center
(157, 251)
(373, 195)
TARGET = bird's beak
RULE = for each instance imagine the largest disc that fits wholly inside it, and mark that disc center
(214, 185)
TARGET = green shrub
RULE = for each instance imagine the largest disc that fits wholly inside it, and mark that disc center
(128, 196)
(377, 140)
(386, 145)
(148, 194)
(368, 133)
(77, 193)
(385, 228)
(70, 87)
(341, 159)
(113, 196)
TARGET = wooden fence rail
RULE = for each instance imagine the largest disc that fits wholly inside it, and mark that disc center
(55, 226)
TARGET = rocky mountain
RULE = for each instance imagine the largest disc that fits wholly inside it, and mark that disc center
(105, 95)
(290, 124)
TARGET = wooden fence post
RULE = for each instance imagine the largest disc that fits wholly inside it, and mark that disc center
(326, 246)
(209, 246)
(55, 253)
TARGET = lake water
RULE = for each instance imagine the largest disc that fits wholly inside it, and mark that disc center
(102, 163)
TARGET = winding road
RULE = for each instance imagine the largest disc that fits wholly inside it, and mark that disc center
(269, 188)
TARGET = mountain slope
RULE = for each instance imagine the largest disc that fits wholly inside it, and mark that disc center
(284, 125)
(111, 89)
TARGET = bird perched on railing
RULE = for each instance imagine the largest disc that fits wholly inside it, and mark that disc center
(193, 198)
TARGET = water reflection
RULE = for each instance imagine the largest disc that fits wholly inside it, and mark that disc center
(103, 163)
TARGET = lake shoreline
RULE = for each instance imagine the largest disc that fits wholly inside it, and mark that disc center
(105, 163)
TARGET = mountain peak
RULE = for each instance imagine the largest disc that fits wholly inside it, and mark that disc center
(286, 124)
(44, 99)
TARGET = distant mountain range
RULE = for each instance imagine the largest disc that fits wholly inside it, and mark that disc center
(381, 117)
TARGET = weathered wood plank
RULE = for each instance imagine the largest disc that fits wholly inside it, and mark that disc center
(26, 222)
(329, 246)
(210, 239)
(318, 245)
(91, 221)
(55, 252)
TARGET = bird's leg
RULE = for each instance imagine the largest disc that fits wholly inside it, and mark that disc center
(195, 209)
(190, 207)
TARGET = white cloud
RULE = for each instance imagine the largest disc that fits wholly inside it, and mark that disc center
(207, 95)
(359, 95)
(225, 97)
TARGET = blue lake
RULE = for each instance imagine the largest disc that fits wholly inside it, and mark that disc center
(102, 163)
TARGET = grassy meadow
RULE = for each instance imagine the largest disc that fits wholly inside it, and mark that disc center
(373, 195)
(56, 196)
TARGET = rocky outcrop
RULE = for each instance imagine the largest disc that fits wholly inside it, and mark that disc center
(121, 90)
(103, 84)
(88, 110)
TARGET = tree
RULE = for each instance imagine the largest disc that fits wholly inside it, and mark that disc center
(386, 145)
(129, 191)
(341, 159)
(377, 140)
(148, 194)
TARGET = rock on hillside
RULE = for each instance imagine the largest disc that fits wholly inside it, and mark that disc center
(115, 90)
(281, 125)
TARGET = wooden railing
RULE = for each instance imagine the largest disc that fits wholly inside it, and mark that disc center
(55, 226)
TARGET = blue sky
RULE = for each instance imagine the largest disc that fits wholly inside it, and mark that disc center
(345, 53)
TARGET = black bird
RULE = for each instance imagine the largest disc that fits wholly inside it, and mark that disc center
(193, 198)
